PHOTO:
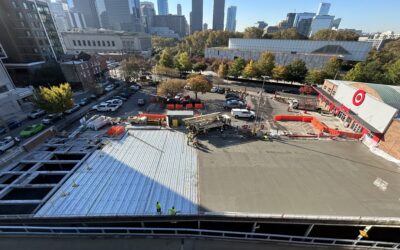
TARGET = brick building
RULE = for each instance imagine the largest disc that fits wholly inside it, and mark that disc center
(367, 108)
(84, 71)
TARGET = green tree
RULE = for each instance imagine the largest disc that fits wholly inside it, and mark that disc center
(266, 64)
(279, 72)
(165, 71)
(222, 70)
(250, 71)
(366, 72)
(237, 67)
(296, 71)
(332, 68)
(55, 99)
(183, 62)
(334, 35)
(162, 42)
(315, 77)
(356, 74)
(171, 87)
(199, 84)
(393, 73)
(166, 58)
(253, 32)
(288, 34)
(133, 65)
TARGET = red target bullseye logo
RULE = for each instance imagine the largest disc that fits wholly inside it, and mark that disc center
(359, 97)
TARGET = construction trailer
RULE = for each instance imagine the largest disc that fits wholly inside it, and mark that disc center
(204, 123)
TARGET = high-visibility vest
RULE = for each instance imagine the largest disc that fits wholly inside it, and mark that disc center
(158, 206)
(172, 211)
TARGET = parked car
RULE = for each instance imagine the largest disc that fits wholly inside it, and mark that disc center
(221, 91)
(120, 98)
(109, 88)
(214, 90)
(233, 98)
(106, 107)
(243, 113)
(135, 87)
(31, 130)
(126, 94)
(233, 104)
(84, 102)
(141, 102)
(7, 143)
(115, 101)
(75, 108)
(36, 113)
(11, 125)
(52, 118)
(93, 96)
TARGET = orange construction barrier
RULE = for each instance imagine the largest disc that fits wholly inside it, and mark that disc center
(198, 105)
(178, 106)
(170, 106)
(189, 106)
(115, 131)
(318, 125)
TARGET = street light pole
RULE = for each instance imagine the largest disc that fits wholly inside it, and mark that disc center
(259, 99)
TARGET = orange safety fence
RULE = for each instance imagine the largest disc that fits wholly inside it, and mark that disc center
(318, 125)
(179, 106)
(115, 131)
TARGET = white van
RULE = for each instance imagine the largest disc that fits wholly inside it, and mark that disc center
(243, 113)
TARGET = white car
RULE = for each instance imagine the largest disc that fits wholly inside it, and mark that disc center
(109, 88)
(105, 107)
(243, 113)
(7, 143)
(214, 90)
(115, 101)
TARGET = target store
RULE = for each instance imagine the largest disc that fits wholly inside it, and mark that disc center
(367, 108)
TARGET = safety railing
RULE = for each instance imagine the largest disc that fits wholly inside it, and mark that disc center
(192, 233)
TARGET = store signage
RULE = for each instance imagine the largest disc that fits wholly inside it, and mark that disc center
(358, 97)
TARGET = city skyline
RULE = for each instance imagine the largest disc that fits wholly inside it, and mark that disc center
(384, 18)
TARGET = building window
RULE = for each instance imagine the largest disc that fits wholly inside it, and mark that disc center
(20, 15)
(108, 44)
(22, 24)
(25, 6)
(74, 42)
(94, 43)
(41, 42)
(28, 33)
(98, 43)
(35, 50)
(113, 43)
(79, 43)
(103, 43)
(88, 43)
(84, 42)
(14, 4)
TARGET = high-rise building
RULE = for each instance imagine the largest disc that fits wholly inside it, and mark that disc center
(179, 9)
(175, 23)
(290, 19)
(89, 10)
(219, 15)
(323, 9)
(120, 15)
(148, 12)
(301, 16)
(196, 16)
(262, 25)
(321, 22)
(134, 6)
(162, 6)
(304, 26)
(336, 23)
(29, 36)
(60, 12)
(77, 20)
(231, 19)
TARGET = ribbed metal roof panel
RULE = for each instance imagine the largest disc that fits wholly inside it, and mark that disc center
(128, 177)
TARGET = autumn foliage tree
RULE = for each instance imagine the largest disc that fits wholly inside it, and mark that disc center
(250, 71)
(199, 84)
(54, 99)
(171, 87)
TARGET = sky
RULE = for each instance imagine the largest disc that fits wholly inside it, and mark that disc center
(367, 15)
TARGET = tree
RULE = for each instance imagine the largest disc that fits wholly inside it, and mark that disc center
(133, 66)
(166, 59)
(165, 71)
(356, 73)
(250, 70)
(279, 72)
(296, 71)
(222, 70)
(253, 32)
(334, 35)
(163, 42)
(393, 73)
(183, 62)
(171, 87)
(237, 67)
(288, 34)
(266, 64)
(200, 84)
(366, 72)
(55, 99)
(332, 68)
(315, 77)
(200, 66)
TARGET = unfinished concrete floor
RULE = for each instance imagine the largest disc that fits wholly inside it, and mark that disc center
(296, 177)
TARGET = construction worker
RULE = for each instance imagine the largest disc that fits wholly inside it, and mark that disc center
(189, 138)
(158, 207)
(172, 211)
